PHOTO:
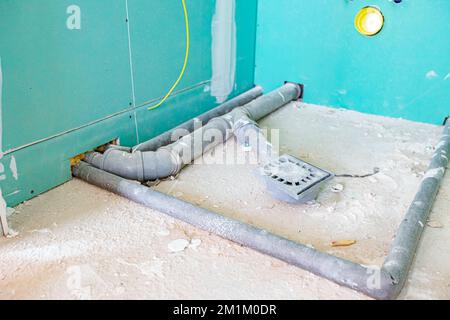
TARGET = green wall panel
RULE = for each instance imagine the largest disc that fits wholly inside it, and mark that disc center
(43, 166)
(246, 22)
(158, 45)
(402, 72)
(162, 39)
(56, 79)
(193, 102)
(68, 91)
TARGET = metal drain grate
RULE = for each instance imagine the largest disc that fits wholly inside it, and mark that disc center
(293, 180)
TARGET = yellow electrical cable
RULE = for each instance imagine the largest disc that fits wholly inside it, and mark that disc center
(186, 59)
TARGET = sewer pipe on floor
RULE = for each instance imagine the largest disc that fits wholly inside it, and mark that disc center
(189, 126)
(403, 249)
(169, 160)
(379, 283)
(338, 270)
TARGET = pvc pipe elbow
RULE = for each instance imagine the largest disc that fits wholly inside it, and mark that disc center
(160, 164)
(140, 166)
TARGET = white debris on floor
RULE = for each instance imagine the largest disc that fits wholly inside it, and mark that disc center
(178, 245)
(80, 242)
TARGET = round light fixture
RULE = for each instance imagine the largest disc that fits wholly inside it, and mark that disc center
(369, 21)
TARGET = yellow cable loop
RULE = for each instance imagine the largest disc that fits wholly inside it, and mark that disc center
(186, 59)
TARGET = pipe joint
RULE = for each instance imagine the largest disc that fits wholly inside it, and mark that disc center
(169, 160)
(173, 157)
(243, 123)
(299, 87)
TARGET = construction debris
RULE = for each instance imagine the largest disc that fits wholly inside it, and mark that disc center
(343, 243)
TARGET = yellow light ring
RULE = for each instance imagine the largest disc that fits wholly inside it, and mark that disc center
(369, 21)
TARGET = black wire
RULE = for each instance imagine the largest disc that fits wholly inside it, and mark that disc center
(375, 171)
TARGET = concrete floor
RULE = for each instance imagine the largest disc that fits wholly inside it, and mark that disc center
(80, 242)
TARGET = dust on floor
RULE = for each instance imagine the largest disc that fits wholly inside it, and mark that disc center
(80, 242)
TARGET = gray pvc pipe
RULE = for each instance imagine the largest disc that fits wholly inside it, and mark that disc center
(269, 103)
(168, 161)
(140, 166)
(384, 283)
(231, 123)
(404, 247)
(251, 136)
(189, 126)
(183, 129)
(338, 270)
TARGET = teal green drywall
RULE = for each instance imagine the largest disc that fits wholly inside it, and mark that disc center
(56, 79)
(402, 72)
(147, 53)
(68, 91)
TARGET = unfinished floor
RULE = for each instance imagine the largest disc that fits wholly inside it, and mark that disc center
(80, 242)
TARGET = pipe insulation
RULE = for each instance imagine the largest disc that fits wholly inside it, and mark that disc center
(380, 283)
(402, 252)
(341, 271)
(189, 126)
(169, 160)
